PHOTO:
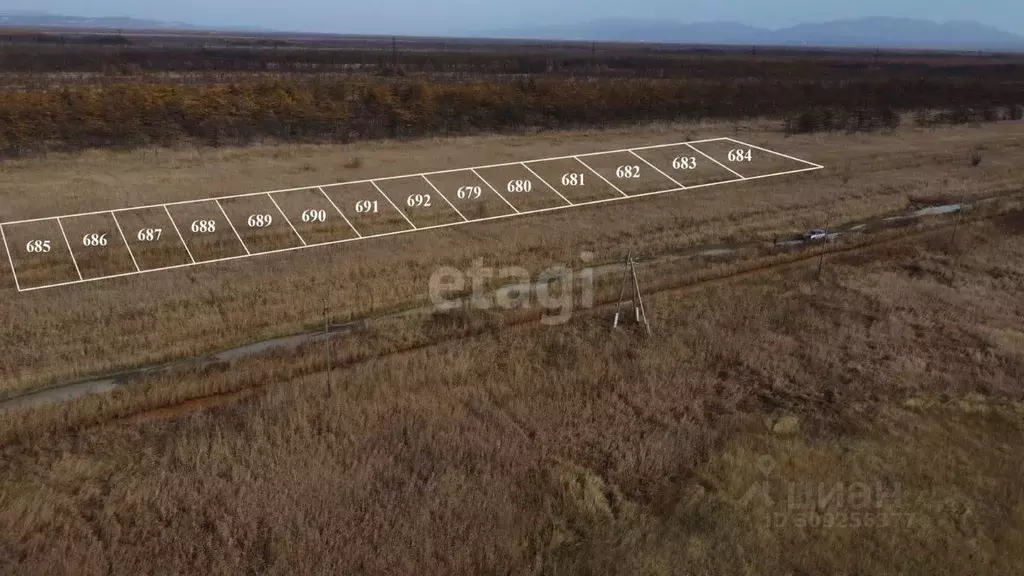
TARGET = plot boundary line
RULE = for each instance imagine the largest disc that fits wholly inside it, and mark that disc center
(10, 259)
(644, 160)
(287, 219)
(715, 160)
(545, 182)
(434, 227)
(495, 190)
(233, 229)
(601, 176)
(373, 181)
(374, 184)
(180, 237)
(443, 197)
(340, 213)
(786, 156)
(70, 251)
(125, 239)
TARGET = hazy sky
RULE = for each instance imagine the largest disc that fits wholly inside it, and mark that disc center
(467, 16)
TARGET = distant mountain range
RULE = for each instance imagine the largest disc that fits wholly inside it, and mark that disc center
(863, 33)
(45, 20)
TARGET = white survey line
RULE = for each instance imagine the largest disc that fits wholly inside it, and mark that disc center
(438, 226)
(599, 175)
(130, 253)
(283, 215)
(464, 219)
(340, 213)
(701, 152)
(70, 251)
(382, 179)
(180, 237)
(374, 184)
(237, 235)
(10, 259)
(644, 160)
(539, 177)
(818, 166)
(495, 190)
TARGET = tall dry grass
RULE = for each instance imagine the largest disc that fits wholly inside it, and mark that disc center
(556, 449)
(83, 330)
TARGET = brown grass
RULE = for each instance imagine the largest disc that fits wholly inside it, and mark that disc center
(573, 450)
(83, 330)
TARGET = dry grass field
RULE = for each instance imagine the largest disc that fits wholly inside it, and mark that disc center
(568, 449)
(66, 333)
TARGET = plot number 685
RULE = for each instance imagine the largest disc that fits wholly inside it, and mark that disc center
(38, 247)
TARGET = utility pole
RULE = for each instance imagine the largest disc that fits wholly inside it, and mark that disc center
(821, 261)
(327, 347)
(639, 312)
(959, 216)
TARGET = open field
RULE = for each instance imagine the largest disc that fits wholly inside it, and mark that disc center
(567, 449)
(65, 333)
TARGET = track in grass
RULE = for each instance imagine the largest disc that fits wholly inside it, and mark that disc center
(76, 248)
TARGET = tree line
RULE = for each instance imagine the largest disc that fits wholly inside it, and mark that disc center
(103, 55)
(129, 114)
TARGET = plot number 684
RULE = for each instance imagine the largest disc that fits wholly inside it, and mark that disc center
(740, 155)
